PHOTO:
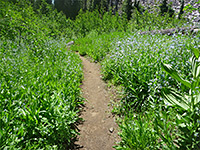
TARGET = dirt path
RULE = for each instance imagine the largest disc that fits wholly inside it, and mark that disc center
(99, 130)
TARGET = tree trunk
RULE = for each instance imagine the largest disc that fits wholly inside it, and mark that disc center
(127, 8)
(181, 9)
(84, 5)
(116, 5)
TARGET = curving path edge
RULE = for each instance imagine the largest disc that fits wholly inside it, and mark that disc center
(99, 130)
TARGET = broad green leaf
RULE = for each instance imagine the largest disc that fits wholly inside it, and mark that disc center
(196, 52)
(173, 97)
(175, 75)
(197, 99)
(195, 66)
(193, 61)
(197, 71)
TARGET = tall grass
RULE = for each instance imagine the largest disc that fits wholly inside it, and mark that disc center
(39, 80)
(97, 46)
(39, 95)
(135, 63)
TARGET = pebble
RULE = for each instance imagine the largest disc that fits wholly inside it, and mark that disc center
(111, 130)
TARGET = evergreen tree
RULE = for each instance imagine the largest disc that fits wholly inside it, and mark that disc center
(49, 1)
(84, 5)
(181, 9)
(127, 8)
(165, 8)
(69, 7)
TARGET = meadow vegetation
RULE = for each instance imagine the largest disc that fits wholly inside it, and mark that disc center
(151, 112)
(40, 78)
(133, 61)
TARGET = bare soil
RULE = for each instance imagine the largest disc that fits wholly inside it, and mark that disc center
(99, 130)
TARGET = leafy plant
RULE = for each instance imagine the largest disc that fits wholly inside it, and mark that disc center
(134, 63)
(187, 104)
(165, 127)
(96, 46)
(39, 79)
(137, 132)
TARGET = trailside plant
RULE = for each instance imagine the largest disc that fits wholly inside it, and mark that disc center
(39, 95)
(168, 126)
(39, 80)
(87, 22)
(137, 132)
(186, 104)
(97, 46)
(21, 21)
(134, 63)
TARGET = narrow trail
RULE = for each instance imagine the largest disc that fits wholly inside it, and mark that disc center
(99, 130)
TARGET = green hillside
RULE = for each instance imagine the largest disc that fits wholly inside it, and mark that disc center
(40, 77)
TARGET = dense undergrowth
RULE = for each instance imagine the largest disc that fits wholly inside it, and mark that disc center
(40, 77)
(39, 81)
(133, 61)
(97, 46)
(39, 95)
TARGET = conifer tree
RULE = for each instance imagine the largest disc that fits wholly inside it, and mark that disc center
(69, 7)
(181, 9)
(163, 7)
(127, 8)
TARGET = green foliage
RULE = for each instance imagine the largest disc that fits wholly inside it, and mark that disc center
(154, 129)
(20, 20)
(127, 8)
(137, 133)
(36, 94)
(96, 46)
(190, 8)
(135, 63)
(87, 22)
(153, 21)
(187, 104)
(165, 127)
(39, 80)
